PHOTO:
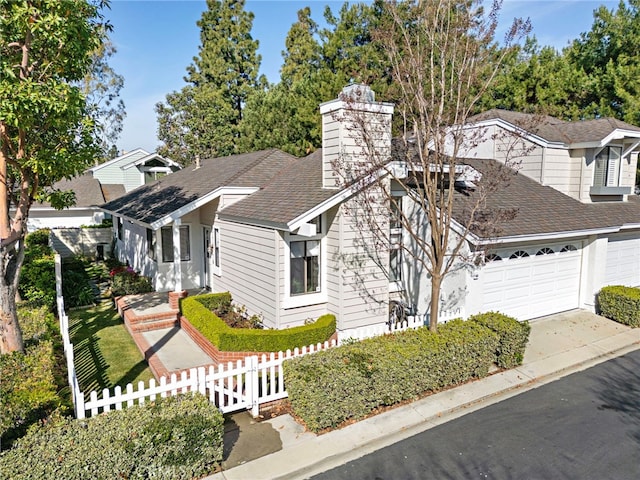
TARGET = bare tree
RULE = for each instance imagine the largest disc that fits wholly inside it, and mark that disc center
(442, 57)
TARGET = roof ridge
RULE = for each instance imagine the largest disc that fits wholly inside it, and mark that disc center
(267, 153)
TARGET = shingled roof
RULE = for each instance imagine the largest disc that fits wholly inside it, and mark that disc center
(555, 130)
(86, 188)
(543, 210)
(154, 201)
(293, 192)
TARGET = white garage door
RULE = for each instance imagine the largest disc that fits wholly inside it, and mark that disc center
(530, 282)
(623, 261)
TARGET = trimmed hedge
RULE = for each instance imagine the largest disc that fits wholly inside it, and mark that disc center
(621, 304)
(513, 334)
(349, 382)
(173, 438)
(197, 310)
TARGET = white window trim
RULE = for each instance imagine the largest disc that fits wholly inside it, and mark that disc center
(305, 299)
(191, 255)
(396, 286)
(608, 182)
(215, 234)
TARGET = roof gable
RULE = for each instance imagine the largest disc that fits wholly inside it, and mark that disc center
(122, 160)
(553, 130)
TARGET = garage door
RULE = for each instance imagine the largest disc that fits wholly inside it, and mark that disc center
(623, 261)
(530, 282)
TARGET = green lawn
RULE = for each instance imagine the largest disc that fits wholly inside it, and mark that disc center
(105, 354)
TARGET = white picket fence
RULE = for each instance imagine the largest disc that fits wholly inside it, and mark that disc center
(243, 385)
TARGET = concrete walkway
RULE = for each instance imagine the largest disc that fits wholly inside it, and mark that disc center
(175, 349)
(558, 345)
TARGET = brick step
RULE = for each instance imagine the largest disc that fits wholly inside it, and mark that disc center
(153, 325)
(132, 318)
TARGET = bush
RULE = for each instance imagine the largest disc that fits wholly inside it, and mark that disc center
(197, 311)
(349, 382)
(32, 379)
(126, 281)
(513, 334)
(621, 304)
(76, 284)
(38, 273)
(173, 438)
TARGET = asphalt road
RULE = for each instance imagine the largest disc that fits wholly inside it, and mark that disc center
(583, 426)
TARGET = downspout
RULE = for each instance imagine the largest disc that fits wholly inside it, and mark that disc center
(277, 238)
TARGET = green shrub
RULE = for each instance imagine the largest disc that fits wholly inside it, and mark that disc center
(38, 273)
(173, 438)
(76, 284)
(513, 334)
(31, 381)
(28, 389)
(39, 237)
(621, 304)
(197, 310)
(126, 281)
(349, 382)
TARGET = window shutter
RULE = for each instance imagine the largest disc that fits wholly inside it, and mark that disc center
(613, 167)
(167, 244)
(599, 172)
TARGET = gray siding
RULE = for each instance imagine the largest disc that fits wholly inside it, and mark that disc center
(132, 178)
(113, 173)
(248, 264)
(364, 285)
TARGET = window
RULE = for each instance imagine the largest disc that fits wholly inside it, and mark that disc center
(519, 254)
(395, 220)
(167, 244)
(215, 250)
(545, 251)
(305, 267)
(492, 257)
(607, 167)
(151, 244)
(119, 227)
(569, 248)
(395, 240)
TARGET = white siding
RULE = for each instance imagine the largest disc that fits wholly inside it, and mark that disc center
(628, 174)
(417, 282)
(562, 171)
(248, 265)
(133, 249)
(52, 218)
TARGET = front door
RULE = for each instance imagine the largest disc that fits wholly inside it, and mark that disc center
(206, 242)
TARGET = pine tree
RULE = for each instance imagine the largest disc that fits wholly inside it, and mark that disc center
(204, 117)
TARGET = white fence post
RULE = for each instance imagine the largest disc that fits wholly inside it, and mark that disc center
(253, 391)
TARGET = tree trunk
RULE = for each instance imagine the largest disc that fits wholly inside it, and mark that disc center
(10, 332)
(11, 259)
(434, 308)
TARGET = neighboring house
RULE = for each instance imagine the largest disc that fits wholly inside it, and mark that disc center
(281, 235)
(133, 169)
(98, 185)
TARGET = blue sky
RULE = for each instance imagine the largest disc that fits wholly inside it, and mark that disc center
(157, 39)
